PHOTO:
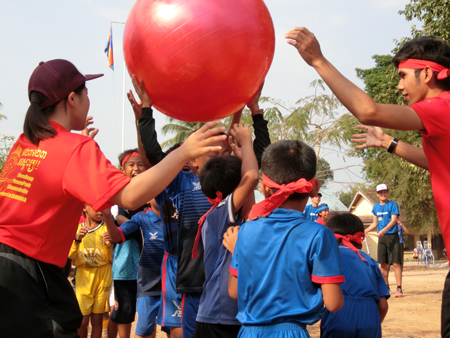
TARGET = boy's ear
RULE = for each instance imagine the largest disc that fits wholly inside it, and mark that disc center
(194, 163)
(315, 190)
(267, 192)
(121, 169)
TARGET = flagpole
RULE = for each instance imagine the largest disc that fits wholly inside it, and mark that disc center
(124, 93)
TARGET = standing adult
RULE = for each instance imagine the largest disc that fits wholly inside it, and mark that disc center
(49, 174)
(310, 211)
(385, 216)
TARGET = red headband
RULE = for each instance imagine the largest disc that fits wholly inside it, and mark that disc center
(357, 238)
(421, 64)
(125, 159)
(265, 207)
(215, 202)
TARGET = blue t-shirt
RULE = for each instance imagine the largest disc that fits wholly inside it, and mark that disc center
(149, 270)
(311, 213)
(384, 213)
(169, 216)
(400, 234)
(187, 196)
(216, 305)
(280, 261)
(126, 256)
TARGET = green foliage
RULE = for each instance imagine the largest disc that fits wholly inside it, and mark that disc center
(6, 142)
(434, 15)
(324, 172)
(409, 185)
(346, 197)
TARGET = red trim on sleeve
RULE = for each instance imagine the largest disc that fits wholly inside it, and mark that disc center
(122, 237)
(328, 280)
(234, 272)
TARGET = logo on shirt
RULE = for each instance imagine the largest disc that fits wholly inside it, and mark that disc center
(196, 186)
(177, 313)
(382, 213)
(380, 218)
(154, 235)
(175, 214)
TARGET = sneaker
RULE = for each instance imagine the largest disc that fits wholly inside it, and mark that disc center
(399, 293)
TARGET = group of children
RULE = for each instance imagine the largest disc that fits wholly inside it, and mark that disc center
(269, 276)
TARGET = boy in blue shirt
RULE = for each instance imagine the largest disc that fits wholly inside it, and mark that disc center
(284, 267)
(385, 217)
(228, 182)
(312, 211)
(149, 271)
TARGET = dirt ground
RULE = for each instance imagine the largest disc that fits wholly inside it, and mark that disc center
(417, 314)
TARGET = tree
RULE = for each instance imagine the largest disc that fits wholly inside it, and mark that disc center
(181, 129)
(6, 142)
(324, 172)
(346, 197)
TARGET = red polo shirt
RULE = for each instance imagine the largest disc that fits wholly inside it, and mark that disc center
(43, 190)
(435, 115)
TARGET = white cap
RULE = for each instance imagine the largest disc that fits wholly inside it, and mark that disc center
(381, 187)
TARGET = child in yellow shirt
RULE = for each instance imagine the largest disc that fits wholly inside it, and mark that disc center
(92, 254)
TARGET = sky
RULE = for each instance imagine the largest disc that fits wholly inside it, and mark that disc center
(349, 32)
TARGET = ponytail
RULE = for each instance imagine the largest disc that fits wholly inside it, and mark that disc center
(36, 126)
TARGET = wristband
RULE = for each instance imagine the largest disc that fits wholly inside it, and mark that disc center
(393, 145)
(77, 240)
(258, 112)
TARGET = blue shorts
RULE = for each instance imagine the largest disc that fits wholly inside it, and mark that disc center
(147, 309)
(169, 314)
(359, 317)
(191, 302)
(283, 330)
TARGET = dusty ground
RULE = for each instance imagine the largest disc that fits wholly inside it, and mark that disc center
(417, 314)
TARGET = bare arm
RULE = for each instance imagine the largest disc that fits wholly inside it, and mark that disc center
(150, 183)
(389, 225)
(332, 297)
(383, 308)
(366, 110)
(113, 231)
(373, 225)
(403, 226)
(244, 196)
(376, 138)
(232, 286)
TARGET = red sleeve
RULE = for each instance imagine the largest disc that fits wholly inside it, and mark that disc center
(91, 178)
(434, 115)
(234, 272)
(328, 280)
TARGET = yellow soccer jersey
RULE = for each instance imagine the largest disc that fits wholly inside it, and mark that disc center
(92, 251)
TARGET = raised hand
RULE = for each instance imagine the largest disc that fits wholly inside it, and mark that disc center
(89, 132)
(235, 148)
(137, 107)
(83, 231)
(140, 91)
(306, 44)
(373, 138)
(106, 239)
(230, 238)
(241, 134)
(198, 143)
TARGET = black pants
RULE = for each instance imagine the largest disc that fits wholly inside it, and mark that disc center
(36, 299)
(203, 330)
(445, 311)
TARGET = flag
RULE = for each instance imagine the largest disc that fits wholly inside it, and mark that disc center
(109, 50)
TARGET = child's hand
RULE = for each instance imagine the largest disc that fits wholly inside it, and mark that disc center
(137, 107)
(236, 149)
(106, 239)
(230, 238)
(140, 91)
(197, 144)
(83, 231)
(253, 105)
(89, 132)
(306, 44)
(106, 213)
(241, 134)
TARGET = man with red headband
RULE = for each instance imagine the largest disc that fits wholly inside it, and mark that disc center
(423, 66)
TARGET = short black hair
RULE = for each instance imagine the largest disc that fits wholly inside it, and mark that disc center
(221, 173)
(426, 48)
(126, 153)
(288, 161)
(172, 148)
(345, 223)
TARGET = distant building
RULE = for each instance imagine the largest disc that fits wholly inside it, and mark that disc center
(362, 206)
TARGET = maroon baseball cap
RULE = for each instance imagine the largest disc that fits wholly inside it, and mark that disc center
(56, 79)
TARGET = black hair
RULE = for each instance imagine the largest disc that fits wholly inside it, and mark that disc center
(345, 224)
(126, 153)
(172, 148)
(288, 161)
(36, 126)
(222, 173)
(426, 48)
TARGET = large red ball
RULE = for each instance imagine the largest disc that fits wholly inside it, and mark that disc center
(200, 60)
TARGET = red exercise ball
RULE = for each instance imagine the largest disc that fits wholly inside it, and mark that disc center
(200, 60)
